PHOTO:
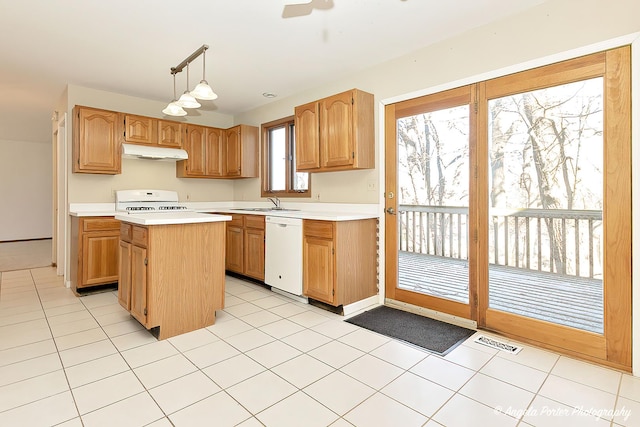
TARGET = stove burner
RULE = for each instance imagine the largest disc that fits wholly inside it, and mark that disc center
(172, 208)
(139, 208)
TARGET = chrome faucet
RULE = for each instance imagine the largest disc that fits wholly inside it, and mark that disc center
(275, 201)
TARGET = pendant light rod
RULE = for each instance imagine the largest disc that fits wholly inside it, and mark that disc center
(178, 68)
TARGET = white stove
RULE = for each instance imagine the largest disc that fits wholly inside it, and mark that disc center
(149, 202)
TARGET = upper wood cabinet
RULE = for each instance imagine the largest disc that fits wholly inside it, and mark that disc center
(241, 156)
(96, 141)
(307, 129)
(214, 152)
(139, 129)
(219, 153)
(150, 131)
(335, 133)
(195, 145)
(169, 134)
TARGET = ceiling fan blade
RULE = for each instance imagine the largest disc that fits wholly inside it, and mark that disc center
(302, 9)
(294, 10)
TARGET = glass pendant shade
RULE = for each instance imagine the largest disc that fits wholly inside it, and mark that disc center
(188, 101)
(203, 91)
(174, 109)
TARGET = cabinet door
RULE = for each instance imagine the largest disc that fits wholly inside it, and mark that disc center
(254, 253)
(96, 144)
(124, 278)
(139, 130)
(100, 258)
(318, 269)
(215, 142)
(139, 284)
(336, 130)
(307, 137)
(233, 158)
(235, 250)
(196, 147)
(169, 134)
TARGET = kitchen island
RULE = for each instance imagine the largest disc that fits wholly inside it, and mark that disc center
(172, 270)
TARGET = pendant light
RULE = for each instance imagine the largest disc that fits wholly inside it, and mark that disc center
(187, 100)
(203, 90)
(174, 109)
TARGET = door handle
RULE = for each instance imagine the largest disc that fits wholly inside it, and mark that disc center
(391, 211)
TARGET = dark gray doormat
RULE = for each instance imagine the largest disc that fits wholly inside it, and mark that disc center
(433, 335)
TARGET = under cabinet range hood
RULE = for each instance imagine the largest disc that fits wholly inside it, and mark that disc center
(133, 151)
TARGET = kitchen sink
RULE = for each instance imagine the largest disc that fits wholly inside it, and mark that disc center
(274, 209)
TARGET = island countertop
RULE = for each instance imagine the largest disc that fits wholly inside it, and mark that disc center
(163, 218)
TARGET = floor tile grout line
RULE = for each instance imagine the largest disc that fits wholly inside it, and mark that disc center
(57, 352)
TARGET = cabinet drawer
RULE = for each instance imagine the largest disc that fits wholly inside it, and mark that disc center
(236, 221)
(254, 221)
(100, 224)
(139, 236)
(322, 229)
(125, 232)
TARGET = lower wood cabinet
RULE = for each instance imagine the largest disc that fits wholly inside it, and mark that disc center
(172, 276)
(245, 245)
(94, 251)
(339, 260)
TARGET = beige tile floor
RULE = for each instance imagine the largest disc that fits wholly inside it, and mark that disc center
(275, 362)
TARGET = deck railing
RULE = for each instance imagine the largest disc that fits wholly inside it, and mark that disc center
(558, 241)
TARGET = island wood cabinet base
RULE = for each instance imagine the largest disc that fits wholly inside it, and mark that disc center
(172, 276)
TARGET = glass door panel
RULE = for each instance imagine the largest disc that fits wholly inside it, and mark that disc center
(433, 203)
(545, 231)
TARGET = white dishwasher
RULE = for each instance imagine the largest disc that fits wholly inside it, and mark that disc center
(283, 254)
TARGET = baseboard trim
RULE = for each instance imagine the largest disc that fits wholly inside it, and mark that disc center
(444, 317)
(350, 309)
(26, 240)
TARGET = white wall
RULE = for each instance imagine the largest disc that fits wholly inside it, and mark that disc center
(25, 190)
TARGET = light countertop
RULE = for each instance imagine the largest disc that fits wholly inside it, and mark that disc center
(317, 211)
(171, 218)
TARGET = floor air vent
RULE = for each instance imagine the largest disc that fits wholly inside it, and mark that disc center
(498, 345)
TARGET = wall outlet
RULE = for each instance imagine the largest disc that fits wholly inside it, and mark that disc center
(371, 186)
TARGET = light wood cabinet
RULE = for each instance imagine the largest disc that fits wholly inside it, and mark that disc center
(214, 152)
(195, 145)
(124, 275)
(254, 237)
(169, 134)
(245, 245)
(132, 289)
(154, 132)
(339, 260)
(96, 141)
(234, 260)
(140, 130)
(336, 133)
(307, 133)
(174, 275)
(94, 249)
(219, 153)
(138, 268)
(241, 156)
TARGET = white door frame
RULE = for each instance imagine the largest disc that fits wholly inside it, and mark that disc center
(61, 193)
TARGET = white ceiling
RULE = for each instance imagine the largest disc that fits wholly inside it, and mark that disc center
(128, 47)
